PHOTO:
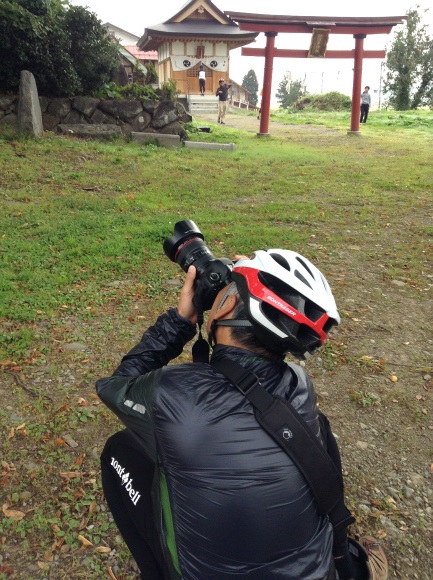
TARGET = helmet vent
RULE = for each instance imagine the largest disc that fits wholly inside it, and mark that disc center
(281, 261)
(328, 325)
(301, 261)
(307, 336)
(302, 279)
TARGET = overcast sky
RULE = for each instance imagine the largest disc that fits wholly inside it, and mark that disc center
(320, 75)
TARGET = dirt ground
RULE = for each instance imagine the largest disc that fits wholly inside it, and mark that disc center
(374, 381)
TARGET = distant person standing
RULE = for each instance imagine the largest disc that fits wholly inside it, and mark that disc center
(365, 105)
(202, 80)
(222, 93)
(260, 108)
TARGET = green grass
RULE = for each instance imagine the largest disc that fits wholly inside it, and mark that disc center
(79, 215)
(385, 119)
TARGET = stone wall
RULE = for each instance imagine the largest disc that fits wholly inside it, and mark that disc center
(130, 115)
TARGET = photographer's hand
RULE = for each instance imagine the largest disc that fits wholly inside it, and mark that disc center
(186, 308)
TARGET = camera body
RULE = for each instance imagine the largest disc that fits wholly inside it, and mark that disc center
(187, 247)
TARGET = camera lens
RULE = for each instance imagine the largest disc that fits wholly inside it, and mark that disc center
(186, 246)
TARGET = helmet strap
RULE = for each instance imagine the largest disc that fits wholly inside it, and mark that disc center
(200, 349)
(226, 322)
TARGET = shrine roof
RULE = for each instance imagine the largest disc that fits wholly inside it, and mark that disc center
(153, 36)
(206, 4)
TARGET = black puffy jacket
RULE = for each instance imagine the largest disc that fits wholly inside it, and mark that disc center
(233, 503)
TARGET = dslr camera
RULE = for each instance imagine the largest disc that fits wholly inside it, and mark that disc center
(187, 247)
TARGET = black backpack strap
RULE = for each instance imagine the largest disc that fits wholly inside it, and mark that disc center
(284, 424)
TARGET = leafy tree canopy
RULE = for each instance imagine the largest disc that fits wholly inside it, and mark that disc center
(289, 91)
(251, 83)
(409, 63)
(65, 47)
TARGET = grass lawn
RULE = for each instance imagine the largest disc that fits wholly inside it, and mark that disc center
(83, 274)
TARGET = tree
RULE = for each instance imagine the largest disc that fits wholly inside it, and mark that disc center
(94, 54)
(251, 83)
(65, 47)
(409, 63)
(289, 91)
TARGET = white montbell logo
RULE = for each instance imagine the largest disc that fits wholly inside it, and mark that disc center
(126, 481)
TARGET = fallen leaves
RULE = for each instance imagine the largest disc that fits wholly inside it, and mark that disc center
(381, 534)
(82, 402)
(111, 573)
(85, 543)
(8, 466)
(21, 429)
(103, 549)
(43, 565)
(16, 515)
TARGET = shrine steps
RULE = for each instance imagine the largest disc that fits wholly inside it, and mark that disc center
(206, 104)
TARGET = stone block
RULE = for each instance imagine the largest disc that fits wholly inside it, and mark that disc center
(214, 146)
(74, 118)
(44, 102)
(126, 110)
(85, 105)
(99, 118)
(174, 128)
(6, 102)
(9, 122)
(141, 121)
(90, 131)
(50, 122)
(165, 114)
(158, 138)
(59, 107)
(29, 109)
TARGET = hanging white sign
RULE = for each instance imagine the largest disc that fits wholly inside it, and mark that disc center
(219, 63)
(183, 62)
(213, 62)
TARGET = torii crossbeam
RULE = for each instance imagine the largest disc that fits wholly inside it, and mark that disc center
(319, 27)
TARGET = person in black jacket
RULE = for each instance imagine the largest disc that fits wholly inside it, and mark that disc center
(198, 490)
(222, 93)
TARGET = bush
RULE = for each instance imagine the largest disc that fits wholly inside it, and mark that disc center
(168, 91)
(132, 91)
(333, 101)
(152, 75)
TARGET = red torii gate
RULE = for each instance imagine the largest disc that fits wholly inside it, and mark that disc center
(320, 26)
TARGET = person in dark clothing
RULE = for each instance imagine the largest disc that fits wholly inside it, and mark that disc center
(202, 80)
(222, 94)
(197, 488)
(365, 105)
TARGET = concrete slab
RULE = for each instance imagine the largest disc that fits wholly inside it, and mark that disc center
(159, 138)
(217, 146)
(92, 131)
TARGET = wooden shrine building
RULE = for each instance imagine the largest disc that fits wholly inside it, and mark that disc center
(320, 27)
(199, 34)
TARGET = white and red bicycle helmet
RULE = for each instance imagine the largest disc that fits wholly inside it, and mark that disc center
(287, 300)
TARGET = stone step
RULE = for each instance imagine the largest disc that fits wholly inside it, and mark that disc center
(204, 111)
(206, 104)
